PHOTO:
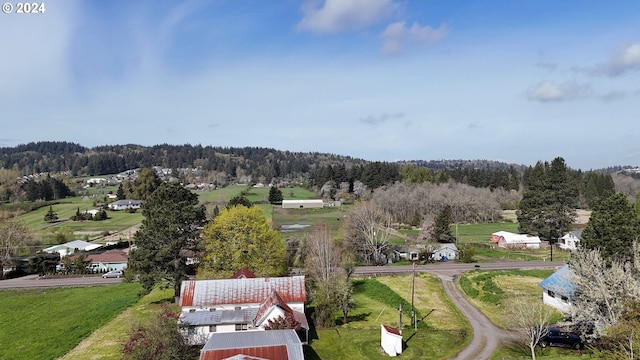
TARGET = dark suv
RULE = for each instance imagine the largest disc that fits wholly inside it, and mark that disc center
(559, 337)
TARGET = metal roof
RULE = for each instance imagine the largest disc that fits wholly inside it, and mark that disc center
(241, 291)
(560, 282)
(270, 344)
(218, 317)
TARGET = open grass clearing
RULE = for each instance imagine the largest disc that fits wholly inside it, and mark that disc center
(47, 323)
(106, 343)
(442, 330)
(472, 233)
(331, 216)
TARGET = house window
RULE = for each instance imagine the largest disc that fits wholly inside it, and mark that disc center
(551, 293)
(192, 310)
(241, 327)
(212, 328)
(237, 308)
(564, 298)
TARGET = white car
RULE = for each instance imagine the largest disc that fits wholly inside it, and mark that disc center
(113, 274)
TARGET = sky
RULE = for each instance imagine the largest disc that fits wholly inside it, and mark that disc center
(382, 80)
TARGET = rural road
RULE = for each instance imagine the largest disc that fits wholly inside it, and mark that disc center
(32, 281)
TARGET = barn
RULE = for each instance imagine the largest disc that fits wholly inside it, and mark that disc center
(302, 204)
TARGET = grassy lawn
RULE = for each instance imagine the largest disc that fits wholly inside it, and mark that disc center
(442, 331)
(47, 323)
(332, 216)
(117, 220)
(491, 291)
(107, 342)
(471, 233)
(254, 194)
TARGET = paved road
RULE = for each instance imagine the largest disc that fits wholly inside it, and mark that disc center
(32, 281)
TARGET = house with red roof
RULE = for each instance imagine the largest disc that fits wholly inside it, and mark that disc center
(243, 303)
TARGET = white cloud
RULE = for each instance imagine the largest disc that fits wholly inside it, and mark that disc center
(334, 16)
(397, 35)
(376, 120)
(625, 59)
(549, 92)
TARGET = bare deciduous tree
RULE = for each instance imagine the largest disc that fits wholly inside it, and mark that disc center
(324, 258)
(367, 232)
(530, 320)
(13, 235)
(603, 287)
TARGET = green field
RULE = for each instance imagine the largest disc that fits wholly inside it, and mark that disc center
(256, 195)
(47, 323)
(472, 233)
(117, 220)
(331, 216)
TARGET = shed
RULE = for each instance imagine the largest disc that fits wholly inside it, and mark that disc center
(558, 289)
(302, 204)
(510, 240)
(391, 340)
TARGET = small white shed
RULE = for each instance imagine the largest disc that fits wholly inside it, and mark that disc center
(391, 340)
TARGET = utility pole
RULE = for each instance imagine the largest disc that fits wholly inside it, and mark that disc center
(400, 323)
(413, 291)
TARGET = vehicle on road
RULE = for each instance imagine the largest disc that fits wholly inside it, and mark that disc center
(561, 338)
(113, 274)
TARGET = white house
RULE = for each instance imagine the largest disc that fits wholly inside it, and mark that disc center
(557, 289)
(570, 241)
(391, 340)
(71, 247)
(245, 303)
(506, 239)
(125, 204)
(302, 204)
(108, 260)
(446, 251)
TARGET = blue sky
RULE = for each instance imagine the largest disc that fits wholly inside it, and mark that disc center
(514, 81)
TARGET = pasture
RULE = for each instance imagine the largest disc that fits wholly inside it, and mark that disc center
(47, 323)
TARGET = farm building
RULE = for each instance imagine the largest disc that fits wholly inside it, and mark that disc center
(125, 204)
(506, 239)
(302, 204)
(558, 289)
(71, 247)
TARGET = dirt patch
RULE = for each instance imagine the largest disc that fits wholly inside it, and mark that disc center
(582, 216)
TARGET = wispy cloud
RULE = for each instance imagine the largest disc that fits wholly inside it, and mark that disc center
(375, 120)
(397, 35)
(334, 16)
(625, 59)
(550, 92)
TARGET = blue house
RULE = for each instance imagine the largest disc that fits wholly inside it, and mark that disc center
(558, 289)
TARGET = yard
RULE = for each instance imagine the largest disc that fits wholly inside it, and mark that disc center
(442, 331)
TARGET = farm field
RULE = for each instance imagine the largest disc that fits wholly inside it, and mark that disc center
(47, 323)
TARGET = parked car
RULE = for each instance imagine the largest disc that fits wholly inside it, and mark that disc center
(113, 274)
(559, 337)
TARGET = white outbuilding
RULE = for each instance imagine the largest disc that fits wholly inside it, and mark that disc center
(302, 204)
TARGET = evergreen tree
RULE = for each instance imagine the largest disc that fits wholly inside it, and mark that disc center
(612, 228)
(548, 204)
(51, 215)
(171, 226)
(275, 195)
(120, 192)
(442, 227)
(146, 183)
(239, 199)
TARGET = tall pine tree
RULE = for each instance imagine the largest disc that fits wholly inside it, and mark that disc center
(548, 205)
